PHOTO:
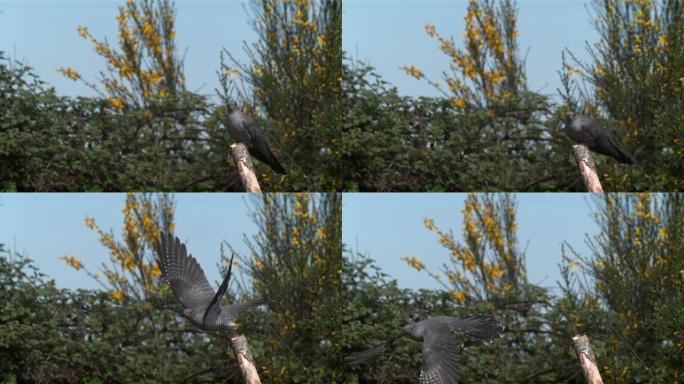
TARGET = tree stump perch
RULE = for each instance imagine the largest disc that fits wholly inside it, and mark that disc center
(244, 358)
(245, 168)
(586, 359)
(587, 168)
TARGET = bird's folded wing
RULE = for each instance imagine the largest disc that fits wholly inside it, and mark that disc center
(440, 353)
(187, 280)
(251, 127)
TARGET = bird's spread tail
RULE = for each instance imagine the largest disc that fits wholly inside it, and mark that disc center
(481, 326)
(363, 356)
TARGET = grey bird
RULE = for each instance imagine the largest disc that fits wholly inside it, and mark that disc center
(243, 129)
(192, 290)
(587, 131)
(439, 347)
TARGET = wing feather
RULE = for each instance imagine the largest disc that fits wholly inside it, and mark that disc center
(440, 351)
(184, 275)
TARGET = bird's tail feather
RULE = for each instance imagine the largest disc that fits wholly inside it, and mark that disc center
(257, 302)
(363, 356)
(233, 310)
(267, 157)
(481, 326)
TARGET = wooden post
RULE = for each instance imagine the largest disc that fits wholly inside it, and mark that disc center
(244, 358)
(586, 359)
(245, 167)
(587, 168)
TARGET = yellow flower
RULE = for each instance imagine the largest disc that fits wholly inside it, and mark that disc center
(83, 32)
(573, 265)
(412, 71)
(70, 73)
(459, 296)
(571, 73)
(497, 272)
(116, 103)
(662, 41)
(458, 102)
(413, 262)
(72, 261)
(430, 30)
(231, 73)
(117, 295)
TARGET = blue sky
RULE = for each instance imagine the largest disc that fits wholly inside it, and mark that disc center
(390, 225)
(43, 34)
(389, 33)
(45, 226)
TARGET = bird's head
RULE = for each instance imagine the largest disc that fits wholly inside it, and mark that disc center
(412, 329)
(231, 105)
(569, 115)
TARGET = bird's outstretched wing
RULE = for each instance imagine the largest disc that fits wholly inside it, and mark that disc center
(259, 145)
(187, 280)
(363, 356)
(440, 351)
(221, 291)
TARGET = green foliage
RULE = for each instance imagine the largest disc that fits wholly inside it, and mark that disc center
(145, 131)
(295, 262)
(636, 270)
(292, 83)
(626, 296)
(486, 117)
(54, 335)
(395, 143)
(636, 81)
(48, 143)
(133, 331)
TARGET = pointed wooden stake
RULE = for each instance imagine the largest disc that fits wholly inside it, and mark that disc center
(245, 167)
(587, 168)
(244, 358)
(586, 359)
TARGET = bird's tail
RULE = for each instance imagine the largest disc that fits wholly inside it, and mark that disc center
(265, 155)
(233, 310)
(481, 326)
(363, 356)
(624, 157)
(257, 302)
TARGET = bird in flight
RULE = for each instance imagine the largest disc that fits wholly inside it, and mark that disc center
(243, 129)
(587, 131)
(439, 347)
(192, 290)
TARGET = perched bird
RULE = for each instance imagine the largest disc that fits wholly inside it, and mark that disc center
(439, 347)
(192, 290)
(587, 131)
(243, 129)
